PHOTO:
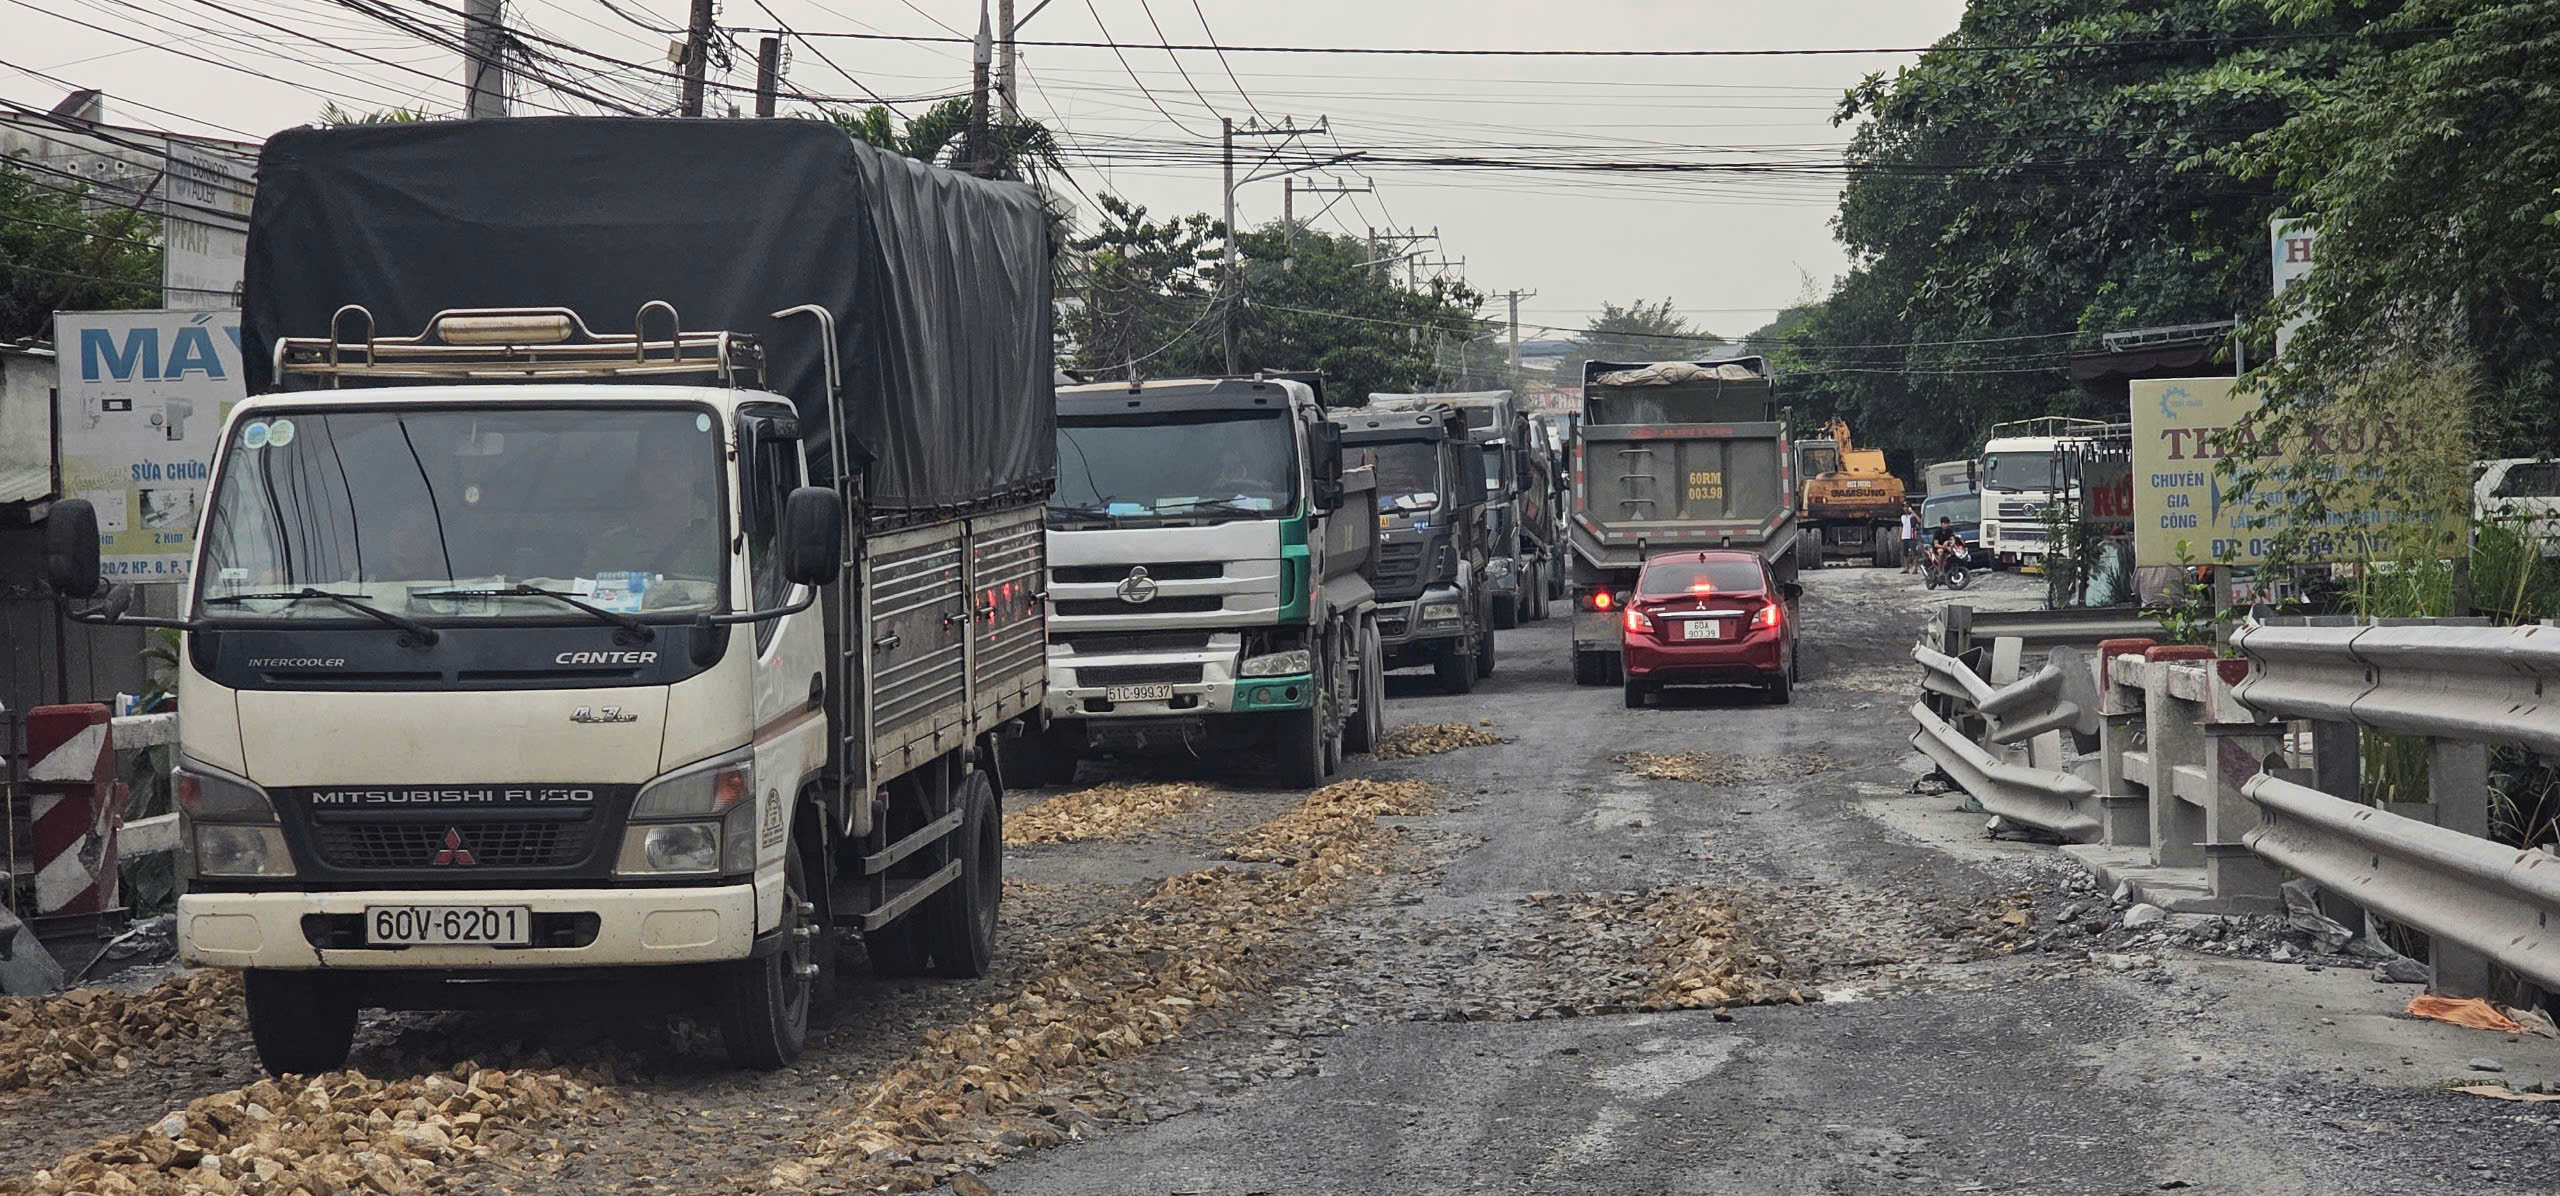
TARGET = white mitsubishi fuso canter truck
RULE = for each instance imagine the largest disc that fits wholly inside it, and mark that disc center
(620, 578)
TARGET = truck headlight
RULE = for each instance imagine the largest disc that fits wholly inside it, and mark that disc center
(671, 848)
(1440, 612)
(711, 787)
(681, 822)
(205, 795)
(224, 850)
(1277, 664)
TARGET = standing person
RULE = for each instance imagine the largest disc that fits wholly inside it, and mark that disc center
(1910, 537)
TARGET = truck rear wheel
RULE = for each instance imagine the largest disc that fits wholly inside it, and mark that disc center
(1506, 611)
(303, 1022)
(1369, 724)
(1456, 669)
(764, 1015)
(957, 926)
(1484, 654)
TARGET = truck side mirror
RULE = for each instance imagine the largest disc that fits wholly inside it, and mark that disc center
(1324, 455)
(1471, 475)
(71, 548)
(812, 536)
(1328, 494)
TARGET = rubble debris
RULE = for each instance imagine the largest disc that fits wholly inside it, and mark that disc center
(87, 1029)
(1704, 768)
(1104, 812)
(2402, 970)
(2533, 1094)
(2463, 1011)
(1704, 955)
(1431, 739)
(342, 1132)
(2143, 914)
(1031, 1070)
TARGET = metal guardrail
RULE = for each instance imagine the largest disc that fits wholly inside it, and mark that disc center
(2044, 630)
(2056, 801)
(2496, 685)
(2494, 900)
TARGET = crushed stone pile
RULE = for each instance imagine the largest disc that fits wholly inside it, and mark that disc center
(1706, 953)
(1431, 739)
(43, 1039)
(1704, 768)
(339, 1133)
(1104, 812)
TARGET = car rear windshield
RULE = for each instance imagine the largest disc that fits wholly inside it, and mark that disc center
(1683, 577)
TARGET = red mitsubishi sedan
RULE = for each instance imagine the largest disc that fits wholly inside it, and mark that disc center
(1710, 618)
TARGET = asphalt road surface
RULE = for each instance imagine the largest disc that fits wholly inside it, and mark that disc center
(1484, 1012)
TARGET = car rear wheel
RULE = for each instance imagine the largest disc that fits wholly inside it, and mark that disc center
(1635, 691)
(1781, 688)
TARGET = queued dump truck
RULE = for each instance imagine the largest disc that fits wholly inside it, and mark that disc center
(1210, 566)
(620, 579)
(1434, 607)
(1520, 527)
(1671, 454)
(1853, 505)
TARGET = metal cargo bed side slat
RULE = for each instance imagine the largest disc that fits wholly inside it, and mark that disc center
(954, 641)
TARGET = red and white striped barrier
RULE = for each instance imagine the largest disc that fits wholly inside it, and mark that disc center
(75, 804)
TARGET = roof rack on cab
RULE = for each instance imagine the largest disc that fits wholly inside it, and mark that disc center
(521, 343)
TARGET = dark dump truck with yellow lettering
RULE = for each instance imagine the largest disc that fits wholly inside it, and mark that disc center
(1671, 455)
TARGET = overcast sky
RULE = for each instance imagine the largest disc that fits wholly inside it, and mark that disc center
(1728, 250)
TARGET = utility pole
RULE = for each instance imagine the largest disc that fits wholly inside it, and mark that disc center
(697, 56)
(1009, 58)
(484, 68)
(1516, 296)
(768, 73)
(1288, 208)
(1235, 285)
(981, 160)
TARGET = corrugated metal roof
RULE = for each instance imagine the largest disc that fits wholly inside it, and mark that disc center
(23, 484)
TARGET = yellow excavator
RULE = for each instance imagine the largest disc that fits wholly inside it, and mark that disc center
(1852, 504)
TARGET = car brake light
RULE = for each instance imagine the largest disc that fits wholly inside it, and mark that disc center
(1769, 616)
(1638, 620)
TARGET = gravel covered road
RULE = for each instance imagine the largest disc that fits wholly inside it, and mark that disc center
(1716, 946)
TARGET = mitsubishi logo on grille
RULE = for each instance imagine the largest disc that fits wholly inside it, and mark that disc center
(454, 853)
(1137, 589)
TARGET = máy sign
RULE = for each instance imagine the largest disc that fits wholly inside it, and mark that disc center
(142, 399)
(2185, 505)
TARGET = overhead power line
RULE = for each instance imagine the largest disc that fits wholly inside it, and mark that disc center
(1110, 43)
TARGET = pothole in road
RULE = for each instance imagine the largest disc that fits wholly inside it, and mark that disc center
(1717, 769)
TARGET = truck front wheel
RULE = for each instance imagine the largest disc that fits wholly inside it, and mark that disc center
(303, 1022)
(1368, 725)
(764, 1016)
(1298, 745)
(1456, 668)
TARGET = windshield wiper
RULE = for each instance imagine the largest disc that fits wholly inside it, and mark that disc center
(626, 622)
(355, 602)
(1219, 506)
(1083, 511)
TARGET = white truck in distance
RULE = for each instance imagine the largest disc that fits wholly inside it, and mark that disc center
(2020, 477)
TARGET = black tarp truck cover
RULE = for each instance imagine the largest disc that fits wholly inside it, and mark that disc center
(939, 283)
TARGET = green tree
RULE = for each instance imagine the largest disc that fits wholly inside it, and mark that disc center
(1143, 289)
(62, 251)
(1640, 331)
(332, 114)
(1022, 149)
(2430, 168)
(1311, 301)
(2005, 206)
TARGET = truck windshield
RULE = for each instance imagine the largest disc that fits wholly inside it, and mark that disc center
(1963, 508)
(1215, 465)
(2030, 469)
(1408, 472)
(618, 506)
